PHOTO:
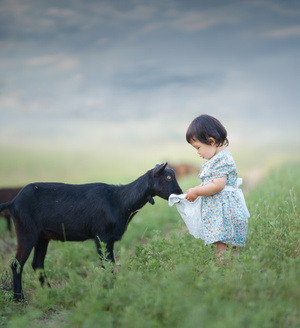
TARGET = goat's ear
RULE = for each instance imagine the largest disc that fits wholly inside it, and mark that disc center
(159, 168)
(150, 200)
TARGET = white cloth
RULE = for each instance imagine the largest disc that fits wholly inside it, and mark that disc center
(191, 211)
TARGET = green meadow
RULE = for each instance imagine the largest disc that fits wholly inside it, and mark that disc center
(164, 277)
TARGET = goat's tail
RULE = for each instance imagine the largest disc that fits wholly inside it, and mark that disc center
(4, 206)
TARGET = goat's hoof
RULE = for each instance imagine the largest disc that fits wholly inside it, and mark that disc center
(19, 298)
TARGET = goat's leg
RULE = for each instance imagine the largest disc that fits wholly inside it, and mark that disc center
(99, 250)
(8, 223)
(98, 247)
(109, 250)
(40, 251)
(24, 248)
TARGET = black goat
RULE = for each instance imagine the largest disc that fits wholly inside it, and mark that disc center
(7, 194)
(45, 211)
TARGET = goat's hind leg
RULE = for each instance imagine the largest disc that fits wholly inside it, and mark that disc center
(40, 252)
(8, 224)
(24, 247)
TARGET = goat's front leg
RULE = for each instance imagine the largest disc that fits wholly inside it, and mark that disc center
(109, 248)
(110, 251)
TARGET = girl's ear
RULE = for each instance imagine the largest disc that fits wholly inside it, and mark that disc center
(212, 141)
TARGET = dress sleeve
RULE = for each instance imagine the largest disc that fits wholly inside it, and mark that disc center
(221, 165)
(219, 168)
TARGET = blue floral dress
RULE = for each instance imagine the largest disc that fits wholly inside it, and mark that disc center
(224, 218)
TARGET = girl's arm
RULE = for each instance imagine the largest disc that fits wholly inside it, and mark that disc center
(210, 189)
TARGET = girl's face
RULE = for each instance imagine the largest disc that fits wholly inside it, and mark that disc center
(206, 151)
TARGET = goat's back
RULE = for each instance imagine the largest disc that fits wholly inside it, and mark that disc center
(59, 197)
(58, 209)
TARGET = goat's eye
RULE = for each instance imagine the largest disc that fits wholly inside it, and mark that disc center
(168, 177)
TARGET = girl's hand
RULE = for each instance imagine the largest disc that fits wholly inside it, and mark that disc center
(212, 188)
(191, 194)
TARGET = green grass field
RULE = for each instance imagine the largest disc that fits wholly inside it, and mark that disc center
(164, 277)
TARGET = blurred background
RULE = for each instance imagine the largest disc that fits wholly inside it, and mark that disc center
(92, 89)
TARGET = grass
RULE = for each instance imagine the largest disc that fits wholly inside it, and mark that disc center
(165, 277)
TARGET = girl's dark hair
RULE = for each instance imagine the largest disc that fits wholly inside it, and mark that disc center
(204, 127)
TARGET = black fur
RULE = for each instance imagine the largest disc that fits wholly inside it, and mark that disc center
(45, 211)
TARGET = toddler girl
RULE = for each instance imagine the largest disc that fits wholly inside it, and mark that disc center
(214, 211)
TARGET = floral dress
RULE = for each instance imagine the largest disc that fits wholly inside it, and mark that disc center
(224, 217)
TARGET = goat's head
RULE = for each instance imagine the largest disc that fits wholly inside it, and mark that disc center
(164, 182)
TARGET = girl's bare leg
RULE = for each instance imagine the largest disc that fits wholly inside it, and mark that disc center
(235, 251)
(221, 248)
